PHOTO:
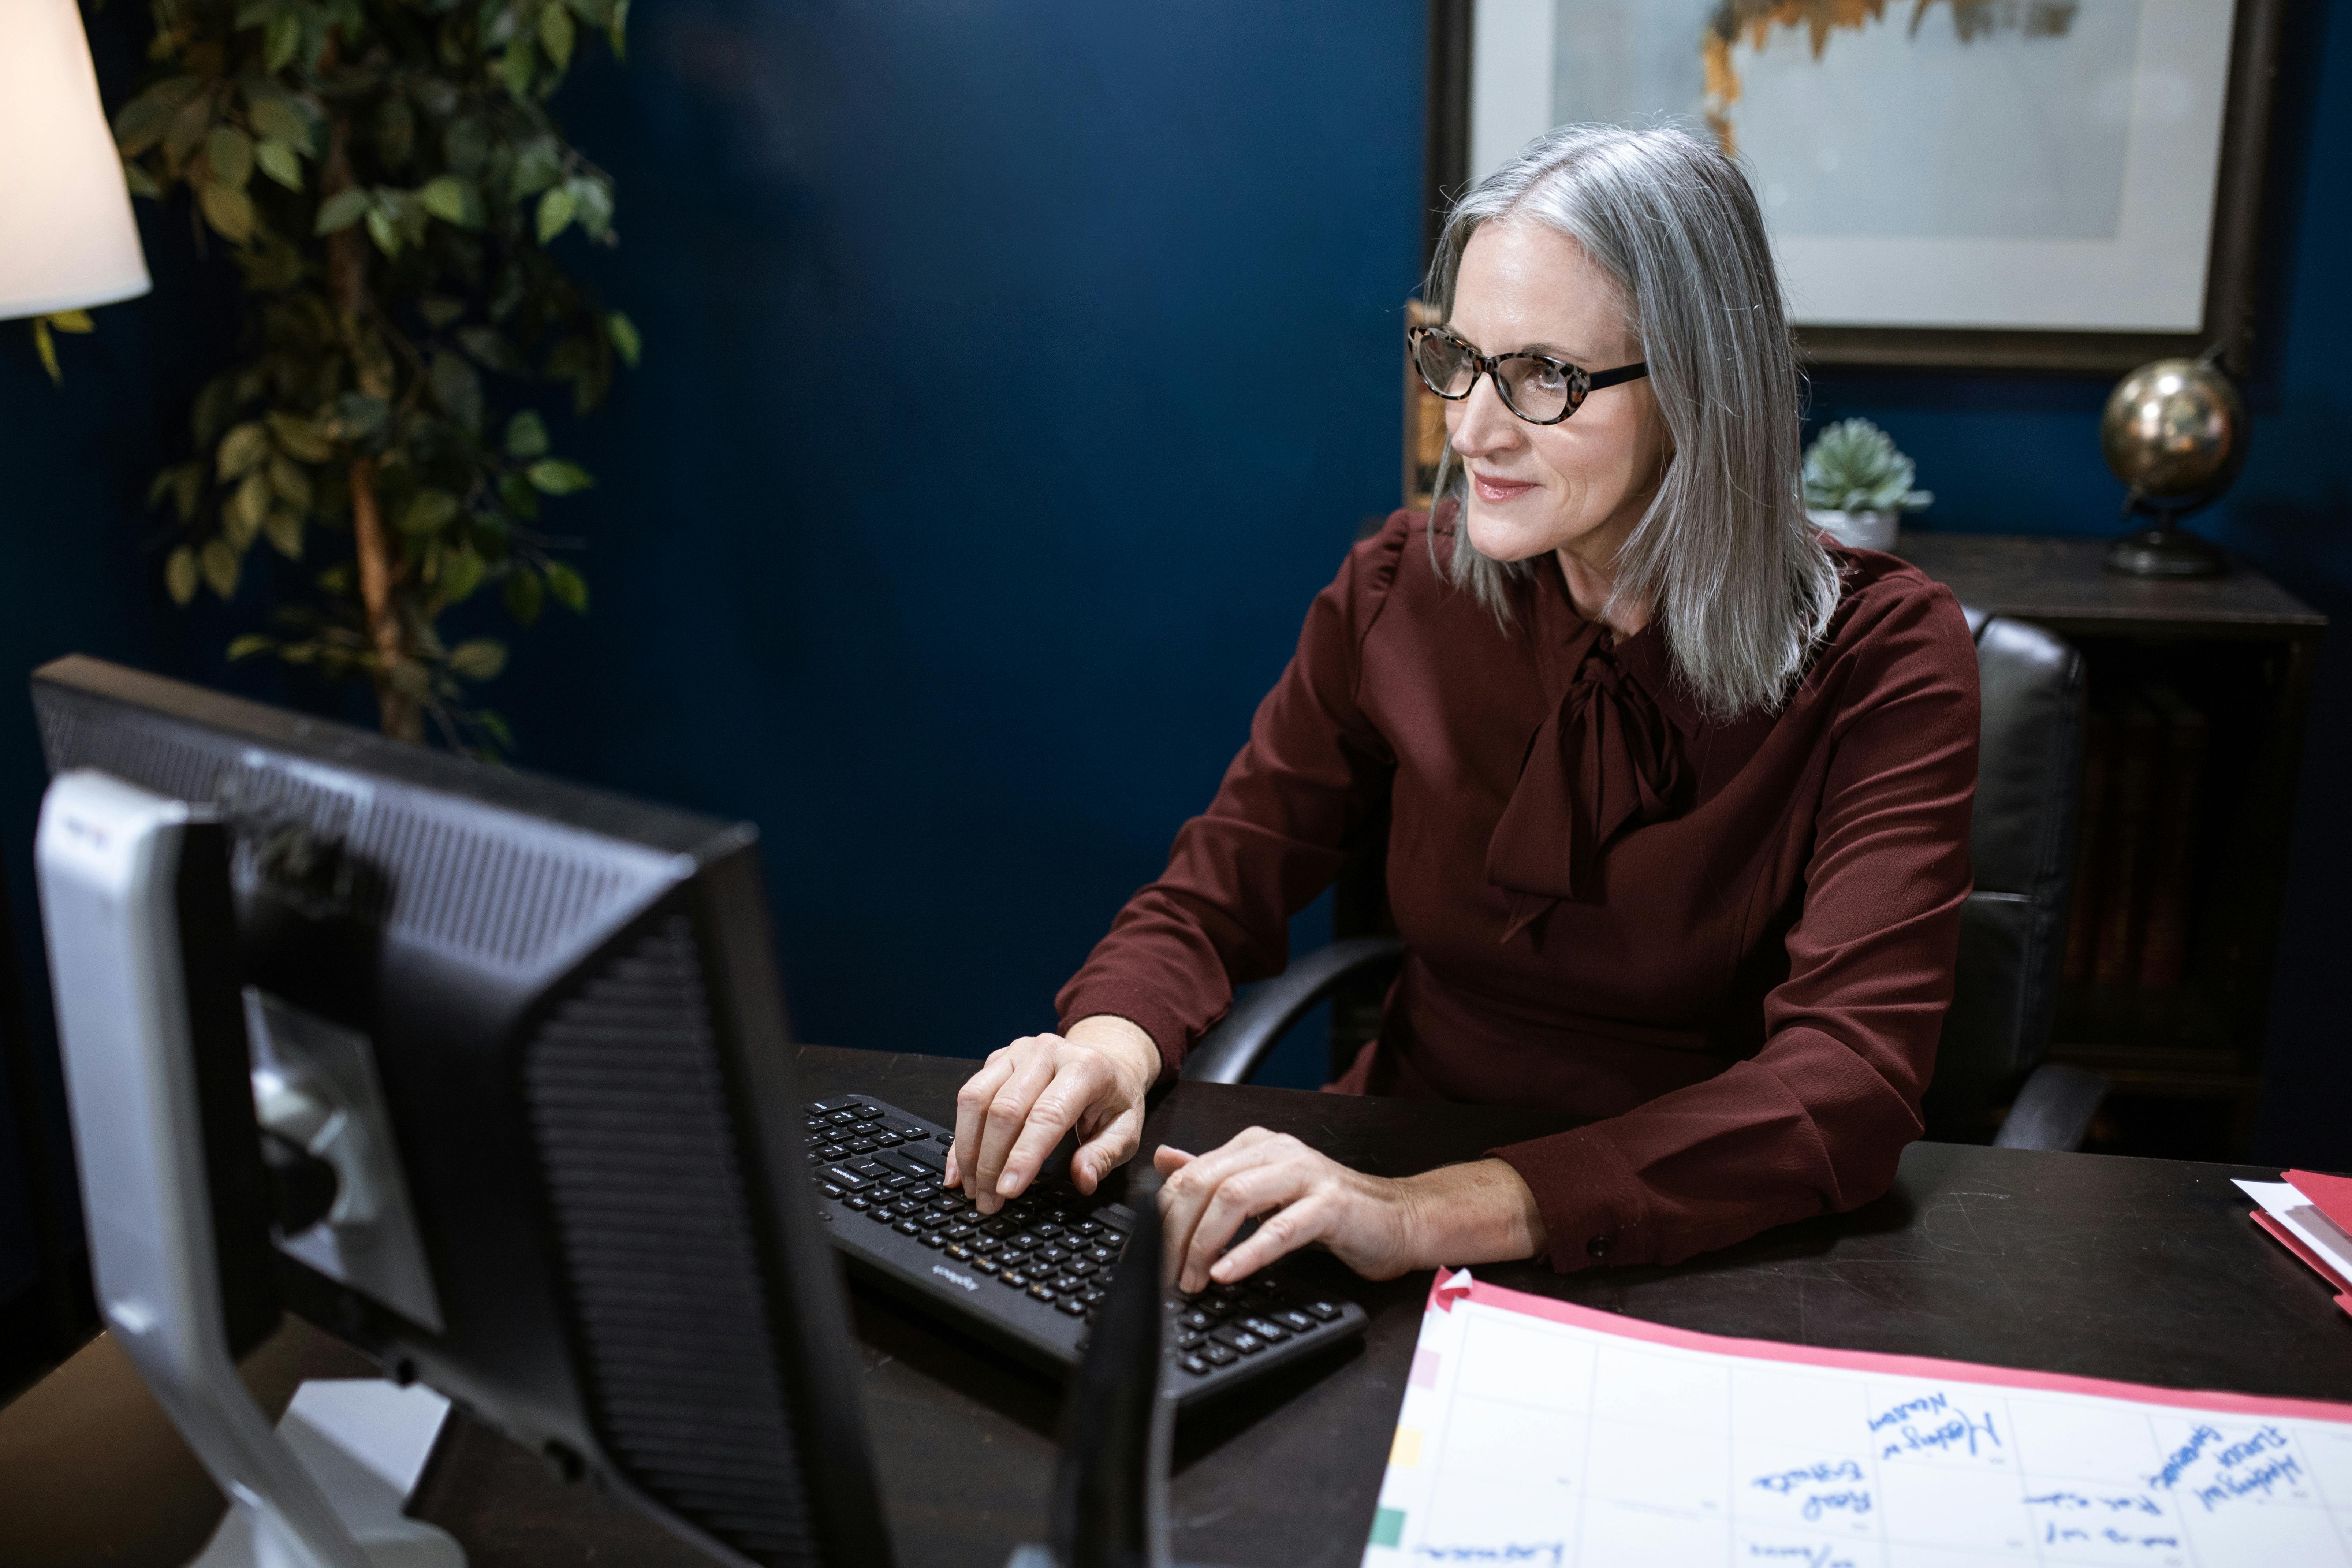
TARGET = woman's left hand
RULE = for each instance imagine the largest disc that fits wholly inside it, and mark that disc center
(1381, 1227)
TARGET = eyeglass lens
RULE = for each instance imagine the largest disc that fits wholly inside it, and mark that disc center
(1536, 389)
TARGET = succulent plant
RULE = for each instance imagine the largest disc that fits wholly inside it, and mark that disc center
(1853, 465)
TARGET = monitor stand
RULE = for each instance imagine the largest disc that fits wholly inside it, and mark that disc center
(135, 899)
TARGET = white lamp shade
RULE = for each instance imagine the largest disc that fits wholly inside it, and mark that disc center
(67, 239)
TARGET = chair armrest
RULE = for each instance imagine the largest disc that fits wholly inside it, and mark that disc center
(2054, 1109)
(1231, 1052)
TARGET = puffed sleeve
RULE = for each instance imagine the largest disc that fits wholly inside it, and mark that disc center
(1314, 770)
(1816, 1121)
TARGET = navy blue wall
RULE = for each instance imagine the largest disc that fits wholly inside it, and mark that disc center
(1013, 377)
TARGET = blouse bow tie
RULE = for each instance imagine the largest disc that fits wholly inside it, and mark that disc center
(1605, 760)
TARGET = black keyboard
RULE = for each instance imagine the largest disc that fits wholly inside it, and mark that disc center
(1029, 1275)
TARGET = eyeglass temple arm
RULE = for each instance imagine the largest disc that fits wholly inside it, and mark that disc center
(1601, 378)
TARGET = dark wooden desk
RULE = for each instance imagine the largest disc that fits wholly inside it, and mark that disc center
(2105, 1267)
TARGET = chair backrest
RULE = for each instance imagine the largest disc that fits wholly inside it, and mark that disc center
(2022, 849)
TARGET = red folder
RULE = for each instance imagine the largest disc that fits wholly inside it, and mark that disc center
(2332, 1196)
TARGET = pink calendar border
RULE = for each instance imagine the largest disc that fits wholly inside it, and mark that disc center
(1924, 1367)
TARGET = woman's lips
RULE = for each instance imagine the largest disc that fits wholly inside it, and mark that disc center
(1497, 491)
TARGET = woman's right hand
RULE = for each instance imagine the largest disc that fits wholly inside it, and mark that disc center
(1011, 1113)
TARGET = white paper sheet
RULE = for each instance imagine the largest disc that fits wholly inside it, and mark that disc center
(2315, 1230)
(1577, 1437)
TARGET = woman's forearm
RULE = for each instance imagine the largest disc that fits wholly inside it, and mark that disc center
(1480, 1213)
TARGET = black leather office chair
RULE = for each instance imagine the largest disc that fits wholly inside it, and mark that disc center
(2013, 928)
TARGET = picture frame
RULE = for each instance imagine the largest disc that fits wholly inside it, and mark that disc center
(2209, 269)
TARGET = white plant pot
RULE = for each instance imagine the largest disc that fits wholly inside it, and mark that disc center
(1860, 530)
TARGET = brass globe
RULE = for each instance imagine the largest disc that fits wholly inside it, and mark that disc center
(2172, 429)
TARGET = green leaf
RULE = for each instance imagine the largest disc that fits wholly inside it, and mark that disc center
(144, 119)
(539, 163)
(569, 589)
(429, 512)
(189, 123)
(281, 162)
(521, 499)
(478, 658)
(461, 573)
(229, 210)
(383, 228)
(248, 645)
(453, 200)
(466, 145)
(457, 389)
(340, 210)
(625, 342)
(230, 152)
(527, 435)
(358, 417)
(520, 63)
(220, 567)
(247, 510)
(284, 38)
(522, 595)
(180, 575)
(279, 120)
(555, 36)
(301, 438)
(241, 449)
(285, 531)
(555, 477)
(487, 347)
(591, 200)
(139, 181)
(291, 484)
(554, 212)
(619, 31)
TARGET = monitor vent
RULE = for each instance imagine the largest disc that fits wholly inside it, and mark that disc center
(155, 760)
(480, 895)
(629, 1111)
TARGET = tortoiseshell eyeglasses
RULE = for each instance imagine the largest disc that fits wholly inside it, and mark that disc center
(1537, 388)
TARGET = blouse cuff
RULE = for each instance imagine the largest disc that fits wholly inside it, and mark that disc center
(1139, 1009)
(1594, 1208)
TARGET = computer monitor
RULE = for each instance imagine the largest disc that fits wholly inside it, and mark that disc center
(537, 1033)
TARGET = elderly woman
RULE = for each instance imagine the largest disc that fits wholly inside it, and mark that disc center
(1680, 789)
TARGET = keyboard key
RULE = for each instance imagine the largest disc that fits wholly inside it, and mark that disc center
(1079, 1266)
(908, 1227)
(1296, 1321)
(828, 1107)
(834, 1151)
(1048, 1228)
(1041, 1292)
(1014, 1278)
(1102, 1255)
(1266, 1329)
(1216, 1354)
(856, 1202)
(880, 1213)
(1239, 1338)
(1190, 1341)
(897, 1160)
(1198, 1319)
(933, 1239)
(959, 1251)
(843, 1119)
(1024, 1240)
(860, 1146)
(1051, 1253)
(831, 1189)
(1324, 1309)
(847, 1176)
(1074, 1308)
(1063, 1285)
(1197, 1365)
(867, 1112)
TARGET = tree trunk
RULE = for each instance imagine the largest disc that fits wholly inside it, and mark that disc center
(397, 711)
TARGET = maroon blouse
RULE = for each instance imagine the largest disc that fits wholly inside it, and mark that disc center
(1732, 943)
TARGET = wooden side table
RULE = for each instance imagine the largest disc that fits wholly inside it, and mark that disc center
(2186, 1060)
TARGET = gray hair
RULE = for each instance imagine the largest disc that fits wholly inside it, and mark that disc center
(1736, 573)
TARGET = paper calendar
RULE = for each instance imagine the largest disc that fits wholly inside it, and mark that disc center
(1537, 1433)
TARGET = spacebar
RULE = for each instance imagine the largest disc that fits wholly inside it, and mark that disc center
(908, 1163)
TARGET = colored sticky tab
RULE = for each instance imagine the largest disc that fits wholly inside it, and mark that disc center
(1424, 1367)
(1388, 1526)
(1405, 1452)
(1451, 1288)
(2331, 1195)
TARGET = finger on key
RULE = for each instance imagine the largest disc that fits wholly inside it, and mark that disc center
(1056, 1110)
(1186, 1195)
(1253, 1190)
(1105, 1149)
(1286, 1231)
(1008, 1113)
(972, 1115)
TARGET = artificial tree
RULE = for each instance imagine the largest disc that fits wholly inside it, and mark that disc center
(393, 187)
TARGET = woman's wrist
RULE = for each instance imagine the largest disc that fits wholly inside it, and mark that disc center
(1483, 1212)
(1130, 1048)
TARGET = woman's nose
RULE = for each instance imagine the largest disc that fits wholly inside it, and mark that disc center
(1484, 425)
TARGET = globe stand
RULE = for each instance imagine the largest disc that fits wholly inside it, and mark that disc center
(2164, 548)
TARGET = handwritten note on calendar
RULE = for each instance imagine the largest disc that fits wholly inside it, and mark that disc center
(1537, 1433)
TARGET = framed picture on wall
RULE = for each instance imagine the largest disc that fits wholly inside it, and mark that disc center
(1999, 184)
